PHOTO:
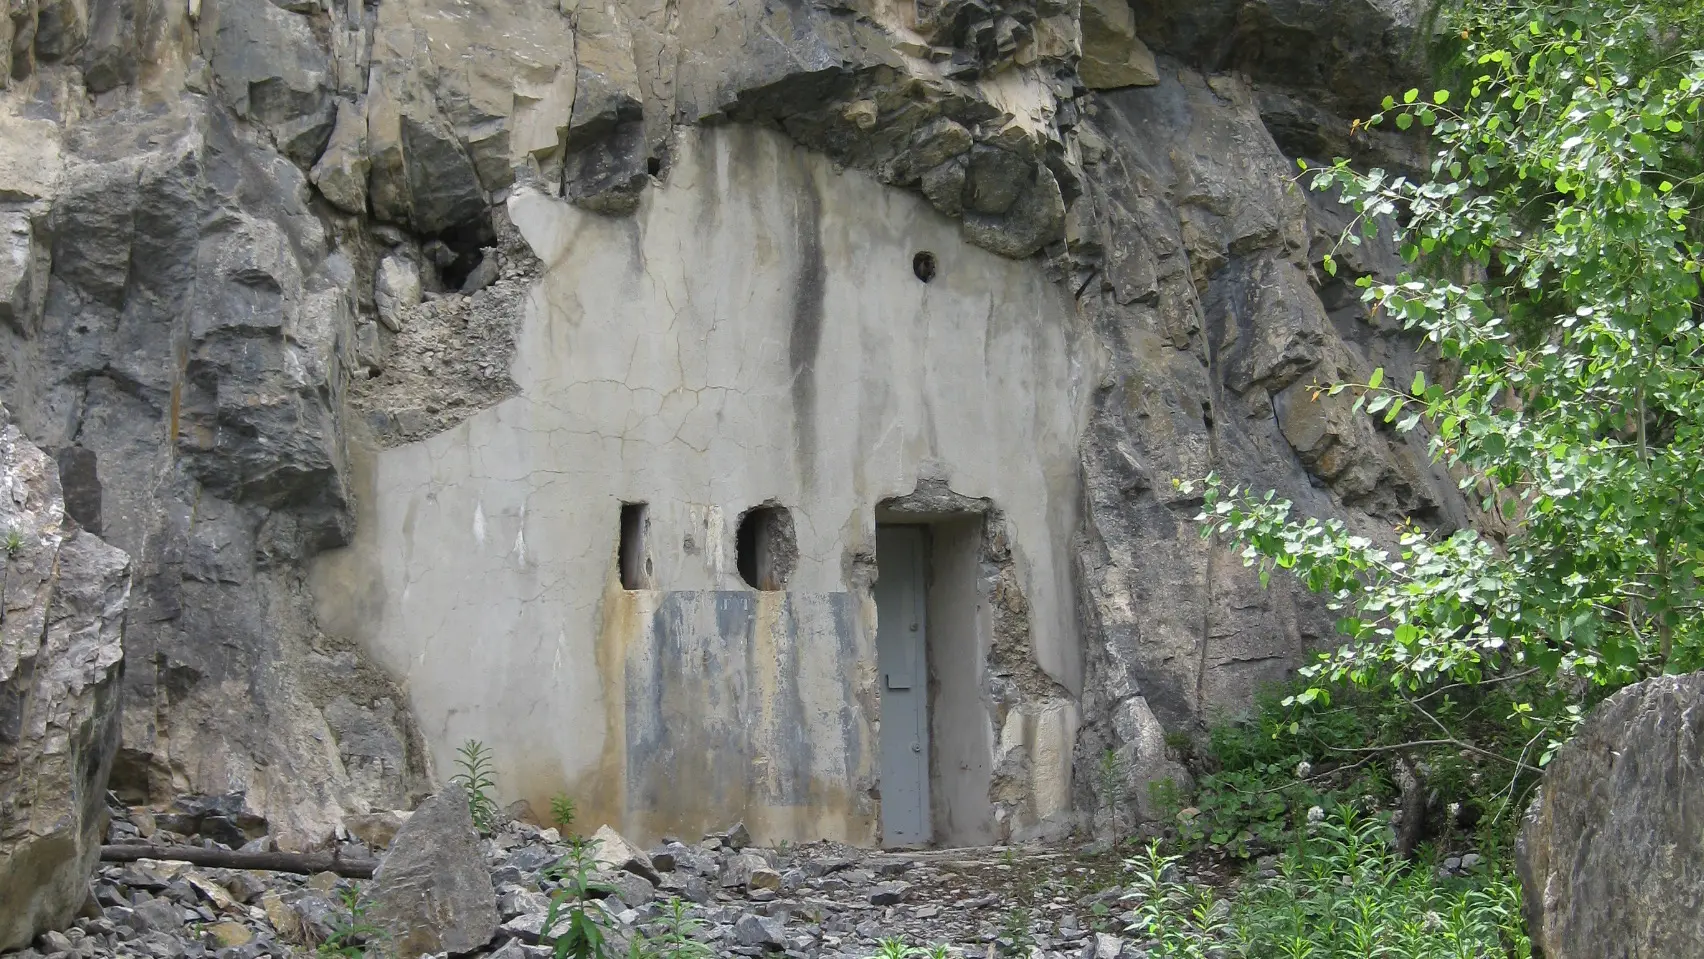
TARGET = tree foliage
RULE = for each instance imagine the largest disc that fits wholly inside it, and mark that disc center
(1553, 249)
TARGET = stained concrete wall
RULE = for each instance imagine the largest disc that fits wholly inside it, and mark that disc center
(961, 716)
(754, 333)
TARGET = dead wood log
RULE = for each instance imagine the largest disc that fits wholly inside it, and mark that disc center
(304, 863)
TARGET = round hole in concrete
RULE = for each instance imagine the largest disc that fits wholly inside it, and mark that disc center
(923, 264)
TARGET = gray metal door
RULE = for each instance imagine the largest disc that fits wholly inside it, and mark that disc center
(904, 668)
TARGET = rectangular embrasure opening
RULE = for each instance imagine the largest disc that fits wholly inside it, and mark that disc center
(633, 558)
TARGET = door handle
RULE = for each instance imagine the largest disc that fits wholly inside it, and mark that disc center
(916, 747)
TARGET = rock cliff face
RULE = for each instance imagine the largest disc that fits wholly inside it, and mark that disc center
(355, 324)
(62, 607)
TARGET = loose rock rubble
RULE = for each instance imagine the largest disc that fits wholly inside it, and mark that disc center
(806, 901)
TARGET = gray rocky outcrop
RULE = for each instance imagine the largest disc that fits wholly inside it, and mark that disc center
(1611, 852)
(431, 891)
(63, 596)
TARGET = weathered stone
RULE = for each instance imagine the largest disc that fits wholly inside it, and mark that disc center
(517, 949)
(229, 934)
(1346, 53)
(763, 879)
(431, 891)
(23, 273)
(111, 57)
(995, 179)
(1113, 56)
(754, 930)
(944, 186)
(483, 275)
(1034, 220)
(1609, 851)
(341, 171)
(738, 869)
(606, 174)
(396, 288)
(515, 901)
(664, 858)
(498, 77)
(376, 829)
(612, 851)
(933, 144)
(268, 67)
(245, 887)
(527, 927)
(32, 157)
(630, 888)
(421, 173)
(61, 646)
(283, 919)
(61, 28)
(607, 92)
(889, 893)
(531, 858)
(158, 915)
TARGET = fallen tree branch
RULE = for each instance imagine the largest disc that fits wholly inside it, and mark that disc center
(1437, 742)
(304, 863)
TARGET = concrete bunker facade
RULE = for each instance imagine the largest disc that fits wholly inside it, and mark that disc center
(669, 578)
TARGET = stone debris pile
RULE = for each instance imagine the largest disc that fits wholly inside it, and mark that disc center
(442, 889)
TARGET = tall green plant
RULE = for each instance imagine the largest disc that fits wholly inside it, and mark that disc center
(477, 779)
(677, 935)
(1554, 248)
(351, 939)
(575, 926)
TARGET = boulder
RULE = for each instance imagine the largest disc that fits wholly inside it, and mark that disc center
(889, 893)
(737, 872)
(158, 915)
(1609, 853)
(61, 647)
(761, 931)
(737, 837)
(615, 852)
(631, 889)
(431, 891)
(763, 878)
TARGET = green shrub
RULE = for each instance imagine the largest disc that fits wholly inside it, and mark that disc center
(562, 811)
(578, 927)
(350, 938)
(1256, 779)
(1340, 893)
(1345, 893)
